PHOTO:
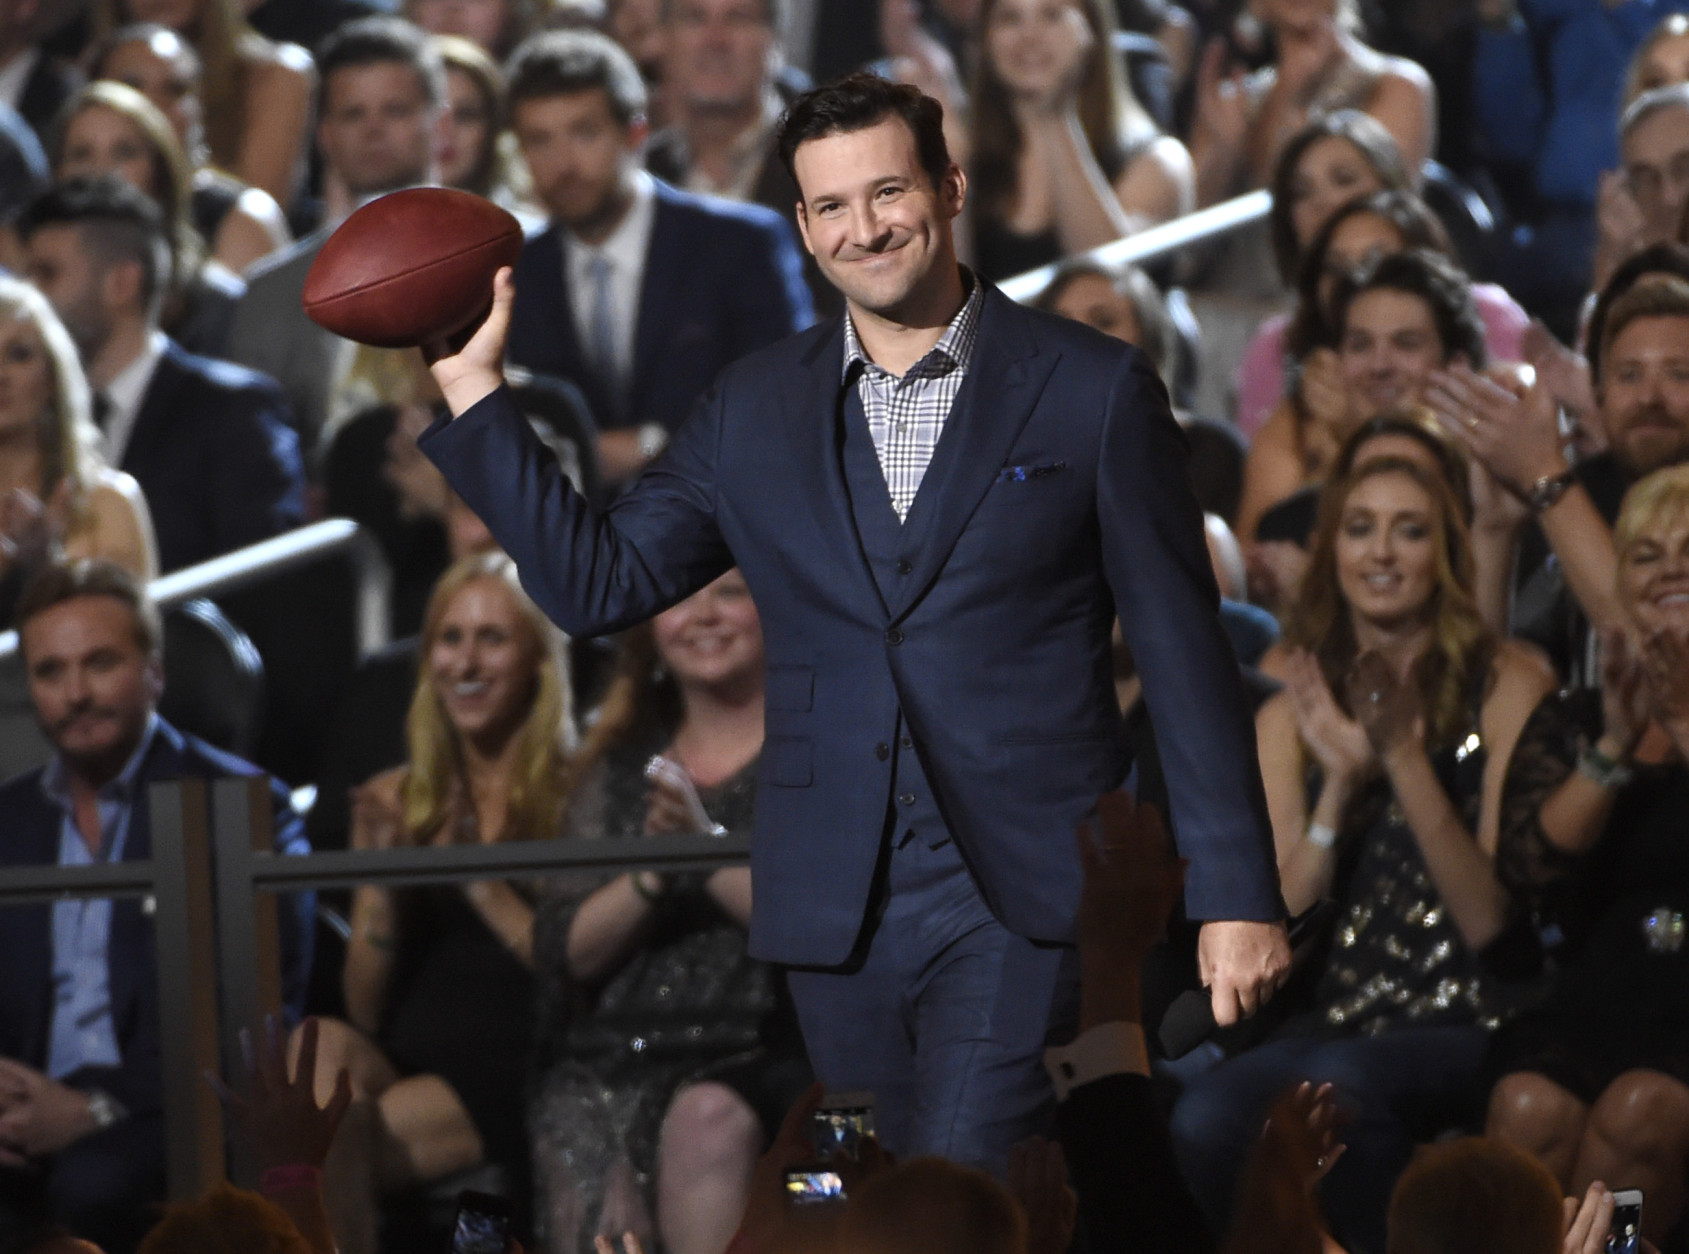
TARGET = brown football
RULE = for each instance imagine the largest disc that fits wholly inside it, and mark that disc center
(410, 267)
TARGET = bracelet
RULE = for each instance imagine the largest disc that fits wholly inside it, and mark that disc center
(1322, 835)
(1547, 490)
(291, 1176)
(651, 898)
(1603, 771)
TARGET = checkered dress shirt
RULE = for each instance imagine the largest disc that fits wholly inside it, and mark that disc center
(906, 416)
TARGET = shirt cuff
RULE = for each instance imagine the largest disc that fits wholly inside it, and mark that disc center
(1116, 1048)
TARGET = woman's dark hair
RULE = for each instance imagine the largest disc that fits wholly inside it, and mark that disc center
(1370, 139)
(1413, 220)
(1434, 279)
(855, 103)
(1413, 423)
(1156, 334)
(473, 62)
(1670, 259)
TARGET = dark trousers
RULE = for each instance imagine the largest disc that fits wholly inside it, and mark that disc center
(108, 1187)
(1388, 1087)
(944, 1016)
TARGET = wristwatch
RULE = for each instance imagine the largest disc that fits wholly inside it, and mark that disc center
(1603, 771)
(1549, 489)
(104, 1108)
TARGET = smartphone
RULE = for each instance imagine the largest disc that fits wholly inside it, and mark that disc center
(805, 1186)
(482, 1225)
(1625, 1236)
(841, 1122)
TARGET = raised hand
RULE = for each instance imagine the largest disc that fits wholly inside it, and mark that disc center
(469, 369)
(377, 823)
(1517, 438)
(1339, 743)
(1302, 1133)
(1222, 105)
(1388, 706)
(1665, 668)
(1625, 696)
(279, 1115)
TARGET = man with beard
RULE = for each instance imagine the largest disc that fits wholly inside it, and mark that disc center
(638, 293)
(81, 1118)
(1567, 568)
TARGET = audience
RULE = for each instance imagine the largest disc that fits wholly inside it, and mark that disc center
(1402, 708)
(63, 499)
(1645, 206)
(667, 1053)
(1062, 155)
(81, 1121)
(379, 96)
(494, 26)
(439, 981)
(257, 93)
(1593, 814)
(208, 442)
(108, 128)
(32, 80)
(473, 153)
(1242, 121)
(1333, 161)
(238, 222)
(637, 292)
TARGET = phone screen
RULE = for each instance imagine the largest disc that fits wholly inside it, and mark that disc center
(806, 1187)
(841, 1124)
(1625, 1236)
(483, 1224)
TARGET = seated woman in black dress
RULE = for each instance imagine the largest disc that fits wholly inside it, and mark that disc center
(1596, 1081)
(1062, 154)
(1383, 762)
(649, 1002)
(438, 981)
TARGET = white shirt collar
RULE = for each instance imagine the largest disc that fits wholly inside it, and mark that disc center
(14, 76)
(125, 393)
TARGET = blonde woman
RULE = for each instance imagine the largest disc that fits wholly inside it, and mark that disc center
(257, 94)
(438, 981)
(57, 495)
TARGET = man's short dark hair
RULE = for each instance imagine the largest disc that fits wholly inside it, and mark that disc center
(65, 581)
(568, 62)
(773, 11)
(857, 102)
(116, 222)
(381, 41)
(1435, 280)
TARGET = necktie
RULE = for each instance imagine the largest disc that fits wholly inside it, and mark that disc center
(603, 325)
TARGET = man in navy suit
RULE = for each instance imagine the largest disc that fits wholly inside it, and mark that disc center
(208, 441)
(636, 292)
(940, 503)
(81, 1123)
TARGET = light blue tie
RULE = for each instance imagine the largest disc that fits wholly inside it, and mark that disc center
(603, 325)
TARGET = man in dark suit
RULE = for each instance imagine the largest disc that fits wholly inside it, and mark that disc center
(208, 441)
(636, 292)
(80, 1085)
(940, 503)
(32, 81)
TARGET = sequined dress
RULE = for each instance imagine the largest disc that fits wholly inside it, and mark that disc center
(690, 1003)
(1620, 999)
(1396, 958)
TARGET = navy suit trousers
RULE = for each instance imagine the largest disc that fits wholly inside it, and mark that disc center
(944, 1014)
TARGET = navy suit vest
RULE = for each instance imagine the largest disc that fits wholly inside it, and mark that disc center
(890, 547)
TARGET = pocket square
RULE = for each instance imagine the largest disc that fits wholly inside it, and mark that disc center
(1020, 474)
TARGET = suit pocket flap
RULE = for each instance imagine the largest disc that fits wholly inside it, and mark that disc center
(787, 761)
(790, 688)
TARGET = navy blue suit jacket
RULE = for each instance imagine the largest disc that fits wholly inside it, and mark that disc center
(216, 456)
(29, 836)
(720, 280)
(1057, 494)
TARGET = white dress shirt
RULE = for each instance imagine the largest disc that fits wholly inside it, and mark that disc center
(125, 393)
(625, 250)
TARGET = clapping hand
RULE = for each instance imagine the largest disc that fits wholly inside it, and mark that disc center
(1339, 743)
(38, 1115)
(1222, 101)
(32, 532)
(1624, 692)
(1388, 706)
(1301, 1133)
(1517, 438)
(1665, 670)
(376, 822)
(279, 1114)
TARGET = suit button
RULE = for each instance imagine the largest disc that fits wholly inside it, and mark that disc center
(907, 743)
(882, 751)
(904, 566)
(907, 799)
(894, 636)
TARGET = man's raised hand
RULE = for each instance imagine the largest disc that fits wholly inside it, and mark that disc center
(468, 368)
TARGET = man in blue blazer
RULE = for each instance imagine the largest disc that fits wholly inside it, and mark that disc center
(939, 707)
(636, 292)
(81, 1123)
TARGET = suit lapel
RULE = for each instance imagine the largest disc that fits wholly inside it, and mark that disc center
(665, 257)
(157, 403)
(1004, 381)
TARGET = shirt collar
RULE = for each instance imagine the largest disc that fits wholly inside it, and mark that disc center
(625, 247)
(55, 778)
(955, 347)
(125, 392)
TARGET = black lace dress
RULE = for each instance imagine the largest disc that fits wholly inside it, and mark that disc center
(1621, 997)
(689, 1004)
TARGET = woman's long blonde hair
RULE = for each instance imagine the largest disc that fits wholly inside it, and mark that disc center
(1461, 645)
(434, 781)
(70, 442)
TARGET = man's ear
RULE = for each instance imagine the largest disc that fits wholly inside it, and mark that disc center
(954, 190)
(803, 227)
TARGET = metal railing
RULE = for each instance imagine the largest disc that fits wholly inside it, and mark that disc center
(255, 563)
(1169, 237)
(209, 888)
